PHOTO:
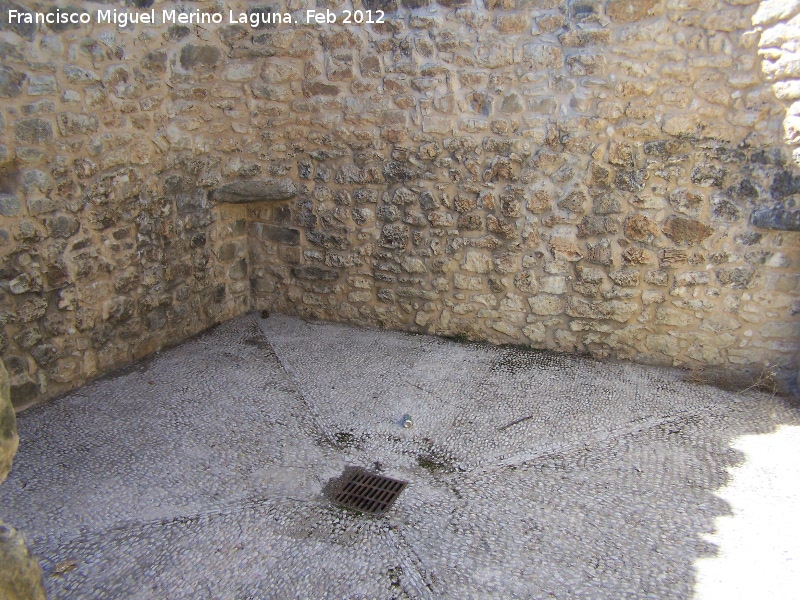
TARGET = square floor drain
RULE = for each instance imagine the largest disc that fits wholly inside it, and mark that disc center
(367, 492)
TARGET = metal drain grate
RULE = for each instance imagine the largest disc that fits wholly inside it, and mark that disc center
(366, 492)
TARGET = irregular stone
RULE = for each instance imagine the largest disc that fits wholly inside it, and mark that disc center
(11, 81)
(394, 236)
(9, 440)
(20, 573)
(620, 154)
(772, 11)
(257, 190)
(686, 201)
(41, 85)
(652, 297)
(683, 230)
(512, 104)
(705, 351)
(580, 38)
(709, 176)
(634, 255)
(630, 180)
(575, 201)
(526, 282)
(441, 219)
(724, 208)
(470, 222)
(412, 264)
(683, 126)
(33, 131)
(536, 332)
(672, 256)
(204, 56)
(600, 253)
(546, 305)
(477, 261)
(466, 282)
(776, 217)
(628, 11)
(73, 123)
(274, 233)
(654, 277)
(785, 183)
(565, 248)
(319, 273)
(592, 225)
(692, 278)
(664, 343)
(500, 227)
(615, 310)
(586, 64)
(318, 88)
(155, 61)
(75, 74)
(639, 228)
(735, 277)
(669, 316)
(625, 277)
(10, 206)
(542, 56)
(24, 283)
(606, 204)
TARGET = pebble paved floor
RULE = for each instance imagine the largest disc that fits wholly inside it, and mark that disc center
(199, 473)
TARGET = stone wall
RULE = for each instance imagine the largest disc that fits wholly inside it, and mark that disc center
(593, 176)
(602, 177)
(109, 246)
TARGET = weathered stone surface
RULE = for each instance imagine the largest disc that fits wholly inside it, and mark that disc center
(11, 81)
(546, 305)
(772, 11)
(199, 56)
(776, 217)
(72, 123)
(315, 273)
(10, 206)
(639, 228)
(575, 201)
(566, 249)
(394, 236)
(615, 310)
(682, 230)
(33, 131)
(628, 11)
(274, 233)
(41, 85)
(20, 573)
(477, 262)
(318, 88)
(736, 277)
(542, 56)
(257, 190)
(592, 225)
(9, 441)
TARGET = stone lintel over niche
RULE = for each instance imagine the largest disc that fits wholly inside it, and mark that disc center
(258, 190)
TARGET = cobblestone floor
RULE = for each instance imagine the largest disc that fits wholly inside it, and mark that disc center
(199, 473)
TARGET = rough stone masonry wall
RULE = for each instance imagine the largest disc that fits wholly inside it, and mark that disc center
(602, 177)
(587, 175)
(109, 246)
